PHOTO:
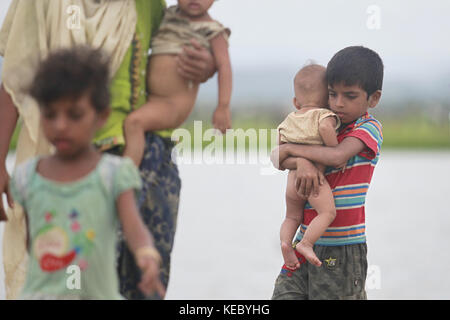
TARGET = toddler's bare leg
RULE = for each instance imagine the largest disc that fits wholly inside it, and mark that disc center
(294, 216)
(326, 212)
(168, 106)
(158, 113)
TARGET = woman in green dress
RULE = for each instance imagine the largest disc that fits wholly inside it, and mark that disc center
(123, 29)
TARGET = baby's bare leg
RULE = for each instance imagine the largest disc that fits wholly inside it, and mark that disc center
(326, 212)
(170, 103)
(158, 113)
(294, 216)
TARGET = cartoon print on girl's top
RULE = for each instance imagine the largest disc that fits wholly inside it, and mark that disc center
(75, 199)
(56, 248)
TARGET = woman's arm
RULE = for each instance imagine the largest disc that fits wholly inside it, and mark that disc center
(8, 121)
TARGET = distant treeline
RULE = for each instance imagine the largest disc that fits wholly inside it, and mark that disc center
(412, 125)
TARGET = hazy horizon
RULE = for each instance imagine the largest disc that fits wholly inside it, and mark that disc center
(271, 40)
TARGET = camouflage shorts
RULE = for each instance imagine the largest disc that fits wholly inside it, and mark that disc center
(342, 275)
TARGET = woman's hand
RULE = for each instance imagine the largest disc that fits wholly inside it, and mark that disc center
(196, 63)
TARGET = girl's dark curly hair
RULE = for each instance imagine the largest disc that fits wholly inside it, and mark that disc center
(70, 73)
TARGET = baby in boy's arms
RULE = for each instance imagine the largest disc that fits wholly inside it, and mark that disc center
(171, 97)
(355, 79)
(312, 123)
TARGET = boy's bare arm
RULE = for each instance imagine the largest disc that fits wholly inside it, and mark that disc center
(291, 157)
(329, 156)
(220, 50)
(222, 115)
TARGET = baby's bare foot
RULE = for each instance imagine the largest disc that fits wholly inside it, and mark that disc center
(290, 259)
(307, 251)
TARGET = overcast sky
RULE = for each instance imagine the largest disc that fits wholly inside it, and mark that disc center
(411, 36)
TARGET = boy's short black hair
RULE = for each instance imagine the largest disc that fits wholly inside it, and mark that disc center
(70, 73)
(356, 65)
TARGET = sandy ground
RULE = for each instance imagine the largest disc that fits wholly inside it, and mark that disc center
(226, 246)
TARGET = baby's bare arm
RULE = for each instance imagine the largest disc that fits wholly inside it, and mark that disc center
(327, 131)
(220, 50)
(328, 134)
(222, 114)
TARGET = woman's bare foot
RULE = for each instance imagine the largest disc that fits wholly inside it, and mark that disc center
(290, 259)
(306, 249)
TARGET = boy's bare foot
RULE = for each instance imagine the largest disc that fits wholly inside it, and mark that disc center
(306, 249)
(290, 259)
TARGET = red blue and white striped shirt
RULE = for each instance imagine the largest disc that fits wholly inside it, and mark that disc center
(350, 187)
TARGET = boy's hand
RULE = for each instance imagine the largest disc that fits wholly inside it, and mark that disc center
(309, 179)
(341, 166)
(222, 119)
(150, 281)
(196, 63)
(4, 188)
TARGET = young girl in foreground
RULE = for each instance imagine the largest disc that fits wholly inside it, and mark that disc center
(171, 97)
(312, 123)
(76, 198)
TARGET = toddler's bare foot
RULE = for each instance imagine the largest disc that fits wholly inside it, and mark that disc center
(306, 249)
(290, 259)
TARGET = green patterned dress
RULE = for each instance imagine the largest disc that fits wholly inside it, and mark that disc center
(159, 197)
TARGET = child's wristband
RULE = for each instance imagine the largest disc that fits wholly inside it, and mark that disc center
(148, 251)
